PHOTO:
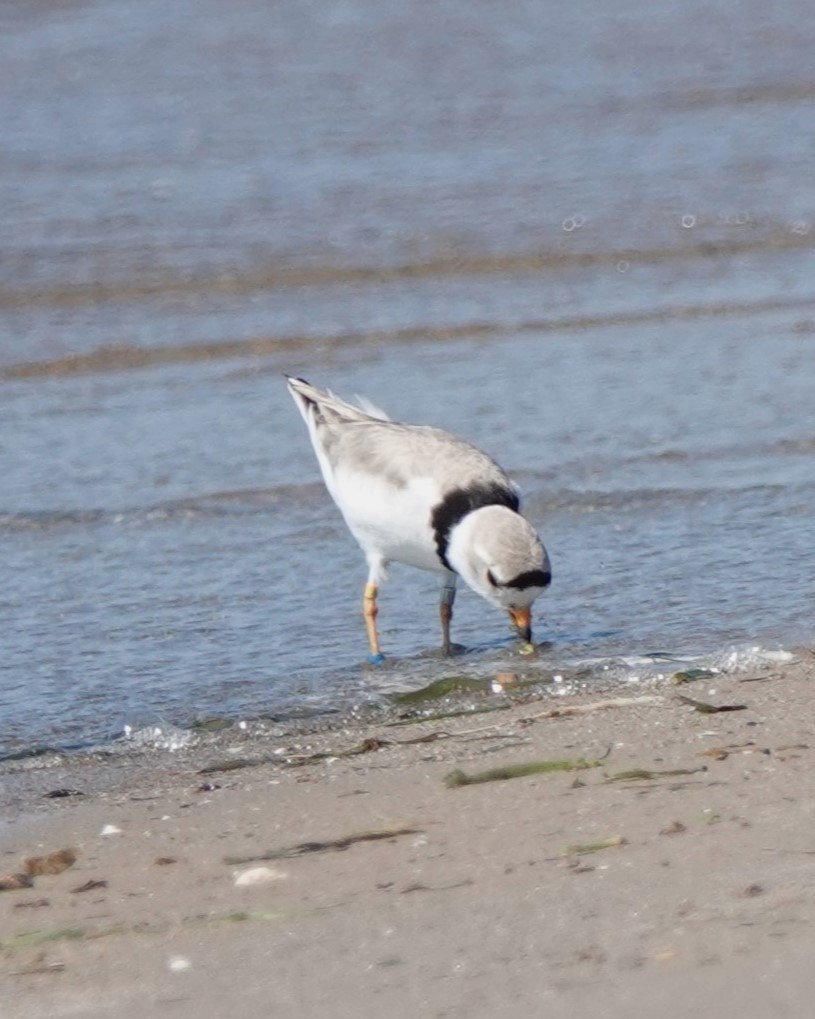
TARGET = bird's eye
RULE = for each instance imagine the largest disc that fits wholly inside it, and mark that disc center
(491, 578)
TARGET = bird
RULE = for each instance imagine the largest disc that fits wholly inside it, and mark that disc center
(418, 495)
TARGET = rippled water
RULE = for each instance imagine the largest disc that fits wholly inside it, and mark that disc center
(581, 238)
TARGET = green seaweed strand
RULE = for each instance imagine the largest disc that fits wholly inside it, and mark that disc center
(458, 778)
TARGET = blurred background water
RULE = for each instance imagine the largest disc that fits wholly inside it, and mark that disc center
(579, 235)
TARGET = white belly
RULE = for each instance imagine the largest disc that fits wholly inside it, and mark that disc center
(393, 523)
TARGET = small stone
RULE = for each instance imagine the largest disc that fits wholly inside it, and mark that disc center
(53, 863)
(12, 882)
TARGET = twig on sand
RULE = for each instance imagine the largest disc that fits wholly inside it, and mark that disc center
(647, 775)
(568, 710)
(236, 763)
(709, 709)
(303, 848)
(292, 759)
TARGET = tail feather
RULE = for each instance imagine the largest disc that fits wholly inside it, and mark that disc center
(317, 404)
(305, 396)
(371, 409)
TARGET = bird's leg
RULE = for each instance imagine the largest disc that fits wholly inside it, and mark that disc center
(448, 596)
(370, 612)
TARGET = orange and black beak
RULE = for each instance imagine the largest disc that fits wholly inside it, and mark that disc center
(522, 618)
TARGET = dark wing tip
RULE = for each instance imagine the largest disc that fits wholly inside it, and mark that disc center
(295, 385)
(303, 396)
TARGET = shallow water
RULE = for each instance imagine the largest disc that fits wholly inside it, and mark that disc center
(580, 239)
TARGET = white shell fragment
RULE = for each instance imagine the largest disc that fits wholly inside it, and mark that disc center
(258, 876)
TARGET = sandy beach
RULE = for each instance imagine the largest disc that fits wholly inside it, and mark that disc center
(665, 866)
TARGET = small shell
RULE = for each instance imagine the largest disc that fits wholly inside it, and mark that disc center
(258, 876)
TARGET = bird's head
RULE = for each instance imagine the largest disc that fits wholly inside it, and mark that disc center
(499, 555)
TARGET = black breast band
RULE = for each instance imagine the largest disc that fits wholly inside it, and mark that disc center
(455, 506)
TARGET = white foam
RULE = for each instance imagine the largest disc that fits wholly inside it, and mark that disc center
(740, 659)
(155, 737)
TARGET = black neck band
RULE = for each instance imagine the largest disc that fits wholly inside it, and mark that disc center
(455, 506)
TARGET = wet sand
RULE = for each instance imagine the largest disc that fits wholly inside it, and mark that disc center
(673, 876)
